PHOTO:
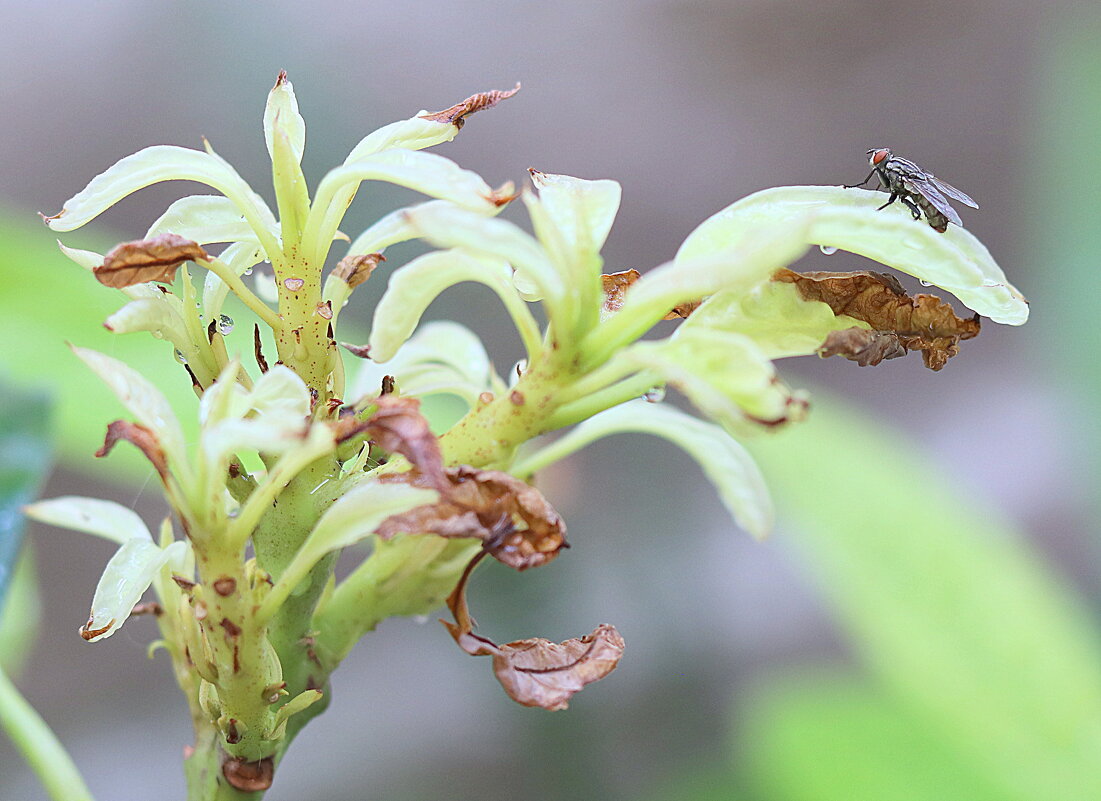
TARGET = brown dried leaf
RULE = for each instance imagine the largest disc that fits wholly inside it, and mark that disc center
(921, 322)
(516, 524)
(397, 426)
(142, 437)
(155, 259)
(863, 346)
(538, 672)
(615, 290)
(258, 349)
(456, 114)
(354, 270)
(534, 671)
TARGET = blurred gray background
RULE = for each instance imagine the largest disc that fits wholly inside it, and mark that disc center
(690, 105)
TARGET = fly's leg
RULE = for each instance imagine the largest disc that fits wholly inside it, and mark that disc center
(854, 186)
(913, 208)
(890, 200)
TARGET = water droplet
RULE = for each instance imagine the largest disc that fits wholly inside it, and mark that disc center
(420, 620)
(829, 250)
(180, 357)
(248, 271)
(225, 324)
(158, 334)
(924, 282)
(655, 395)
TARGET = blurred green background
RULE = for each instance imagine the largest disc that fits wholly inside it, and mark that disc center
(923, 624)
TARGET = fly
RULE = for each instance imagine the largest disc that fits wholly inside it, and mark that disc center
(921, 191)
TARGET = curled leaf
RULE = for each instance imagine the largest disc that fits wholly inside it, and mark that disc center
(863, 346)
(127, 576)
(140, 436)
(397, 426)
(534, 671)
(922, 322)
(516, 524)
(456, 114)
(155, 259)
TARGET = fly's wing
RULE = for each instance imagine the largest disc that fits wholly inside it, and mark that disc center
(925, 187)
(951, 191)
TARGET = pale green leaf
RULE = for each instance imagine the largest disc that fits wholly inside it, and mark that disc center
(775, 315)
(106, 519)
(141, 399)
(281, 115)
(582, 210)
(450, 227)
(125, 579)
(155, 315)
(87, 259)
(442, 357)
(204, 219)
(393, 228)
(415, 133)
(429, 174)
(418, 283)
(847, 219)
(726, 376)
(164, 163)
(724, 461)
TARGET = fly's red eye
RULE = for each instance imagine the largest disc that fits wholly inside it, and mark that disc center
(879, 155)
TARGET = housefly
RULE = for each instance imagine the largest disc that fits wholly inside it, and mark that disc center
(921, 191)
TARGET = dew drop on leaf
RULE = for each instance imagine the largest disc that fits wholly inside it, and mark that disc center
(829, 250)
(180, 357)
(225, 324)
(655, 395)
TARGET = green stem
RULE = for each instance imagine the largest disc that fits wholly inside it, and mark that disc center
(237, 286)
(633, 387)
(40, 746)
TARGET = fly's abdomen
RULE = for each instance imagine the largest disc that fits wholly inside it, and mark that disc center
(937, 221)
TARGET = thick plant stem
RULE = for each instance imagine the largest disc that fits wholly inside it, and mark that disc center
(39, 746)
(203, 769)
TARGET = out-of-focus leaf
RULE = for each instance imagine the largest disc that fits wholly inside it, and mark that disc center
(847, 218)
(952, 611)
(830, 738)
(24, 459)
(106, 519)
(582, 210)
(725, 462)
(922, 322)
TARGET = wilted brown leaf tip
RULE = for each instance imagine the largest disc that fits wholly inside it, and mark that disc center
(899, 322)
(155, 259)
(457, 113)
(140, 436)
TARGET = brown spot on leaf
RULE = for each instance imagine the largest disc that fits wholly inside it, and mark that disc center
(183, 583)
(225, 585)
(456, 114)
(232, 629)
(515, 522)
(387, 387)
(485, 397)
(233, 735)
(142, 437)
(293, 284)
(898, 321)
(155, 259)
(354, 270)
(248, 777)
(325, 310)
(516, 398)
(534, 671)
